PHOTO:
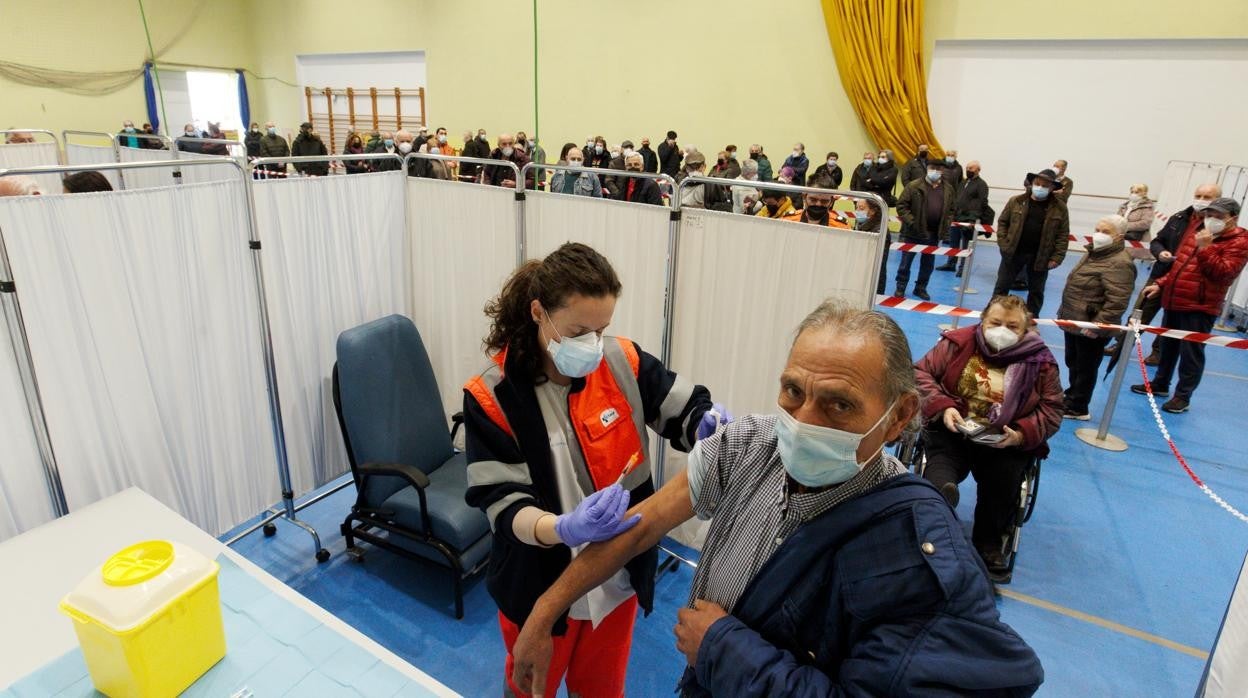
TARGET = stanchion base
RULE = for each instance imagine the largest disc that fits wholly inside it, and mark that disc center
(1225, 328)
(946, 325)
(1111, 442)
(970, 291)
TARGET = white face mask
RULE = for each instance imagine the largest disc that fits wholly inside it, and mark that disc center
(442, 138)
(1199, 204)
(797, 154)
(1101, 240)
(819, 456)
(575, 357)
(576, 163)
(628, 152)
(1215, 226)
(881, 161)
(831, 162)
(867, 162)
(507, 151)
(1134, 198)
(1000, 337)
(405, 147)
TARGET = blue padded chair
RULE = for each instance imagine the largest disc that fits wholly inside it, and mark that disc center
(409, 478)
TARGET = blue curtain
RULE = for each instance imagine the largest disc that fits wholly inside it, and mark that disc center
(149, 91)
(244, 106)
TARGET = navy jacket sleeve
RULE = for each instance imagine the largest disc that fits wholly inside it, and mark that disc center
(673, 404)
(499, 481)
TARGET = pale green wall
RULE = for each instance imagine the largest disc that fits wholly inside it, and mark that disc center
(717, 71)
(107, 35)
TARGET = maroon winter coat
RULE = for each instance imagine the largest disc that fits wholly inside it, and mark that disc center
(939, 370)
(1198, 280)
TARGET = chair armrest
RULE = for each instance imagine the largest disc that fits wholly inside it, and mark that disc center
(457, 421)
(411, 473)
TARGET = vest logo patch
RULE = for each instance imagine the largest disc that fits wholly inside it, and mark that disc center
(608, 416)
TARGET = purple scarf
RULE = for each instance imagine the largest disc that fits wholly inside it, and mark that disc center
(1022, 362)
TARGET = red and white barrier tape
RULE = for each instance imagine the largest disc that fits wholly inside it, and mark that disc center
(1152, 402)
(939, 309)
(919, 248)
(979, 227)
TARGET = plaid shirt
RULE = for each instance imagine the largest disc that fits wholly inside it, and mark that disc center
(736, 479)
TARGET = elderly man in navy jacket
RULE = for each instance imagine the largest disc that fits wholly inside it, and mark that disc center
(828, 569)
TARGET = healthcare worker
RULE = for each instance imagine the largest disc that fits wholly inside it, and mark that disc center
(557, 449)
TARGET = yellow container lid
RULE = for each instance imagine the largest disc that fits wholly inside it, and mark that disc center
(137, 582)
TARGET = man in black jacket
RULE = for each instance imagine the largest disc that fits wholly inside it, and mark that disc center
(478, 147)
(649, 161)
(925, 209)
(670, 155)
(308, 143)
(971, 208)
(882, 177)
(858, 180)
(636, 189)
(829, 171)
(915, 167)
(252, 140)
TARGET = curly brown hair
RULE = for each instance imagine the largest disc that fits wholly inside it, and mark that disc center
(572, 269)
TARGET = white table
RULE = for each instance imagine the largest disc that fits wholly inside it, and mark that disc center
(43, 564)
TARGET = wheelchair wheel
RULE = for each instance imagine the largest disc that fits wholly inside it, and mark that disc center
(911, 453)
(1029, 502)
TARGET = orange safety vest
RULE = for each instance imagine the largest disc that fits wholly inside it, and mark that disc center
(607, 414)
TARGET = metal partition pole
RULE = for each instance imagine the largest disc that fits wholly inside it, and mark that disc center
(60, 156)
(112, 141)
(1100, 437)
(30, 383)
(1223, 324)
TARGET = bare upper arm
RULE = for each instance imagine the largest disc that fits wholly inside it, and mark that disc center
(667, 509)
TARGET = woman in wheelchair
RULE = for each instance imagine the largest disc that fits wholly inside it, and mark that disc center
(557, 448)
(992, 397)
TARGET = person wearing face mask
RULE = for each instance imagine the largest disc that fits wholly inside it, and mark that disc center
(1163, 248)
(817, 207)
(670, 155)
(971, 208)
(708, 196)
(827, 568)
(440, 145)
(1207, 262)
(505, 176)
(727, 167)
(308, 142)
(1031, 233)
(126, 138)
(882, 177)
(858, 180)
(925, 209)
(637, 189)
(764, 164)
(799, 162)
(433, 169)
(998, 375)
(191, 146)
(354, 146)
(474, 147)
(915, 167)
(612, 183)
(776, 204)
(953, 169)
(386, 144)
(1098, 289)
(600, 154)
(273, 145)
(1067, 184)
(150, 140)
(649, 160)
(1138, 209)
(557, 448)
(576, 183)
(829, 171)
(251, 141)
(867, 217)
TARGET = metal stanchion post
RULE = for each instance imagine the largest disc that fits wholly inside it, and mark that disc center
(1224, 320)
(966, 282)
(1100, 437)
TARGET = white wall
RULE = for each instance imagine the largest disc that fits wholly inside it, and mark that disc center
(1118, 110)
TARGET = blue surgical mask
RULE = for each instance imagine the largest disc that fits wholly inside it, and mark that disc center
(867, 162)
(575, 357)
(949, 159)
(272, 130)
(389, 142)
(881, 161)
(819, 456)
(861, 216)
(933, 177)
(1041, 193)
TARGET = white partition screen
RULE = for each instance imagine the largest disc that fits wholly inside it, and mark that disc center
(76, 154)
(148, 177)
(24, 501)
(335, 256)
(744, 277)
(41, 154)
(141, 312)
(463, 240)
(198, 174)
(1179, 184)
(632, 236)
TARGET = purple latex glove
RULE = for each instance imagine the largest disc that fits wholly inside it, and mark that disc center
(599, 517)
(711, 419)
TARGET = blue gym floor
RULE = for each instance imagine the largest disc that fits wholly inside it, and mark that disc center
(1123, 574)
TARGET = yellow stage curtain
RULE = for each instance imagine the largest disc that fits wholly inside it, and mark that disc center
(878, 45)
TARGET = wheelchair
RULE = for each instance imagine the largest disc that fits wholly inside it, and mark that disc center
(910, 451)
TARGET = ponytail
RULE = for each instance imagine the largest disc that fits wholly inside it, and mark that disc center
(573, 269)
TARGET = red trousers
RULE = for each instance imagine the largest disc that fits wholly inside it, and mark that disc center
(595, 660)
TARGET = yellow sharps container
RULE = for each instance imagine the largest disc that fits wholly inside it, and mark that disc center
(149, 620)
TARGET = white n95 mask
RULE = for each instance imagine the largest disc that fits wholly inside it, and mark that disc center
(1101, 240)
(1000, 337)
(820, 456)
(575, 357)
(1215, 226)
